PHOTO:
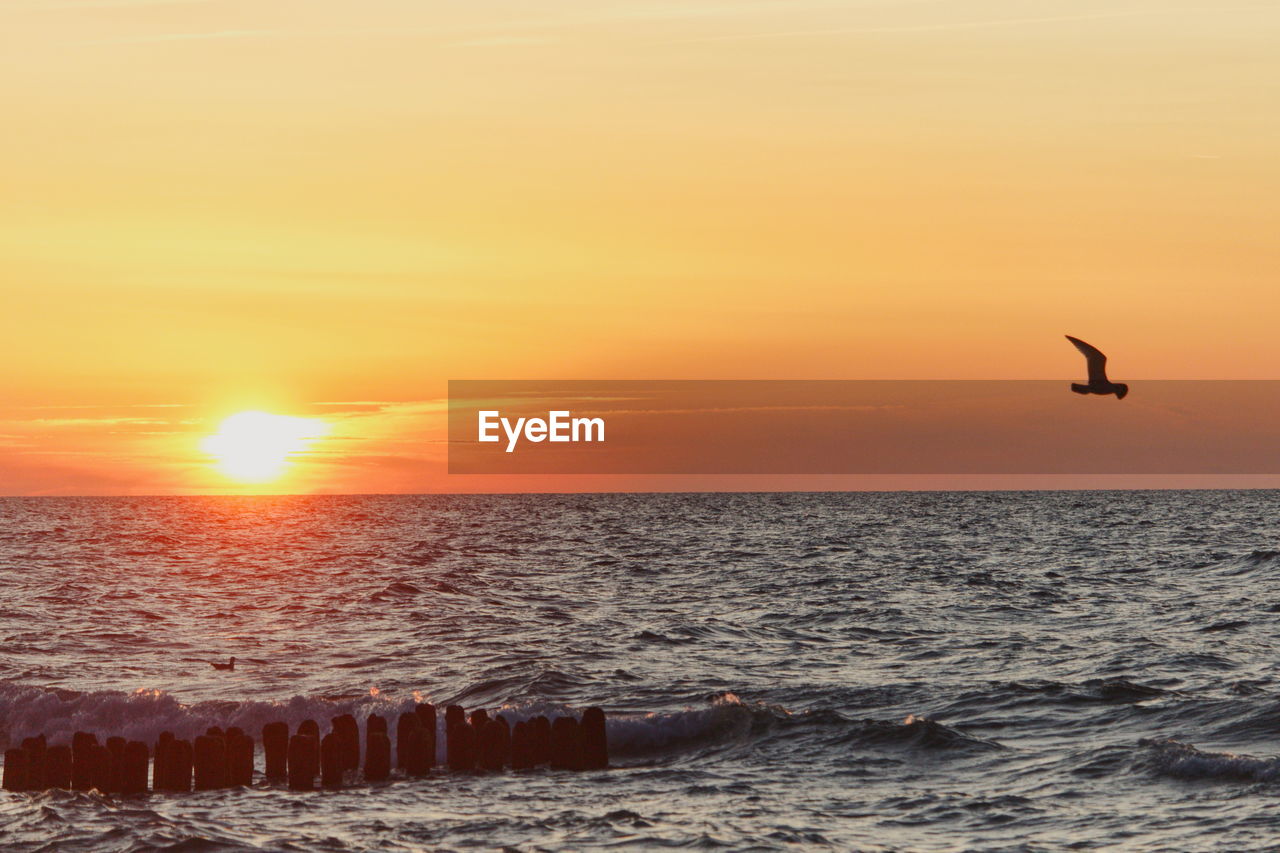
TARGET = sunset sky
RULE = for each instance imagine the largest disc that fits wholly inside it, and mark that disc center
(326, 209)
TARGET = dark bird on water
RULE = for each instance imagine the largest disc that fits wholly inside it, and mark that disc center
(231, 664)
(1098, 381)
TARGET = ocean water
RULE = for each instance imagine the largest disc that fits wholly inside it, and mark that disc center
(887, 671)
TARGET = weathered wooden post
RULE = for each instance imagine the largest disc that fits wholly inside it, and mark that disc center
(133, 778)
(494, 744)
(348, 732)
(405, 724)
(210, 754)
(115, 764)
(57, 766)
(162, 762)
(522, 746)
(84, 753)
(181, 764)
(100, 772)
(540, 740)
(239, 758)
(304, 761)
(377, 749)
(595, 739)
(489, 746)
(566, 744)
(332, 760)
(504, 738)
(15, 769)
(275, 750)
(411, 745)
(35, 748)
(460, 739)
(427, 714)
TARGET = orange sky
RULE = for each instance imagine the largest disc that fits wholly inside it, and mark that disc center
(217, 205)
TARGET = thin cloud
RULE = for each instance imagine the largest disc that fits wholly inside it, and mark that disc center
(170, 37)
(57, 5)
(524, 33)
(980, 24)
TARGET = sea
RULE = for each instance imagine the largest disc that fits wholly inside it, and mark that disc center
(906, 671)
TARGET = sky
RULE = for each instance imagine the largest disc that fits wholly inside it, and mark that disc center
(326, 209)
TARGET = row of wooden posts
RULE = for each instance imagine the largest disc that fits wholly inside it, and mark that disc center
(221, 759)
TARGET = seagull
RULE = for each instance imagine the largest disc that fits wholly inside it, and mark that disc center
(1098, 381)
(231, 664)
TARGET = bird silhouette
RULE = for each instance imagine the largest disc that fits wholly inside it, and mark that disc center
(1098, 381)
(231, 664)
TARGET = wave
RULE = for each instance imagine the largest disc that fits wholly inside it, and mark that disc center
(637, 739)
(921, 733)
(1241, 564)
(1183, 761)
(143, 714)
(1010, 695)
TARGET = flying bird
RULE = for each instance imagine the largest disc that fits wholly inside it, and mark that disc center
(231, 664)
(1098, 381)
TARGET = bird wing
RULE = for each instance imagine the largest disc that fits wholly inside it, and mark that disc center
(1093, 356)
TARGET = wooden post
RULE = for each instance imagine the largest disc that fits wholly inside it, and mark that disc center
(460, 739)
(35, 750)
(15, 769)
(162, 762)
(181, 763)
(488, 746)
(494, 744)
(332, 760)
(239, 758)
(566, 744)
(427, 714)
(504, 739)
(540, 740)
(115, 764)
(522, 746)
(304, 761)
(57, 767)
(133, 779)
(348, 732)
(84, 754)
(100, 774)
(377, 754)
(595, 740)
(210, 754)
(275, 750)
(411, 745)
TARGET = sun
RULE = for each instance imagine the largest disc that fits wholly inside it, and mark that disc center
(254, 447)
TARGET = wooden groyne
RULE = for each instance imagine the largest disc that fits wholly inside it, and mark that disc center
(304, 760)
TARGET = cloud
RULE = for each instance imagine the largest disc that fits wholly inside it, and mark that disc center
(979, 24)
(170, 37)
(57, 5)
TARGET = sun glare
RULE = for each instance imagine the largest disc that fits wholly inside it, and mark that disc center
(254, 447)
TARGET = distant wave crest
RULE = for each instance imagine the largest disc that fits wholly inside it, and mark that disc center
(1183, 761)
